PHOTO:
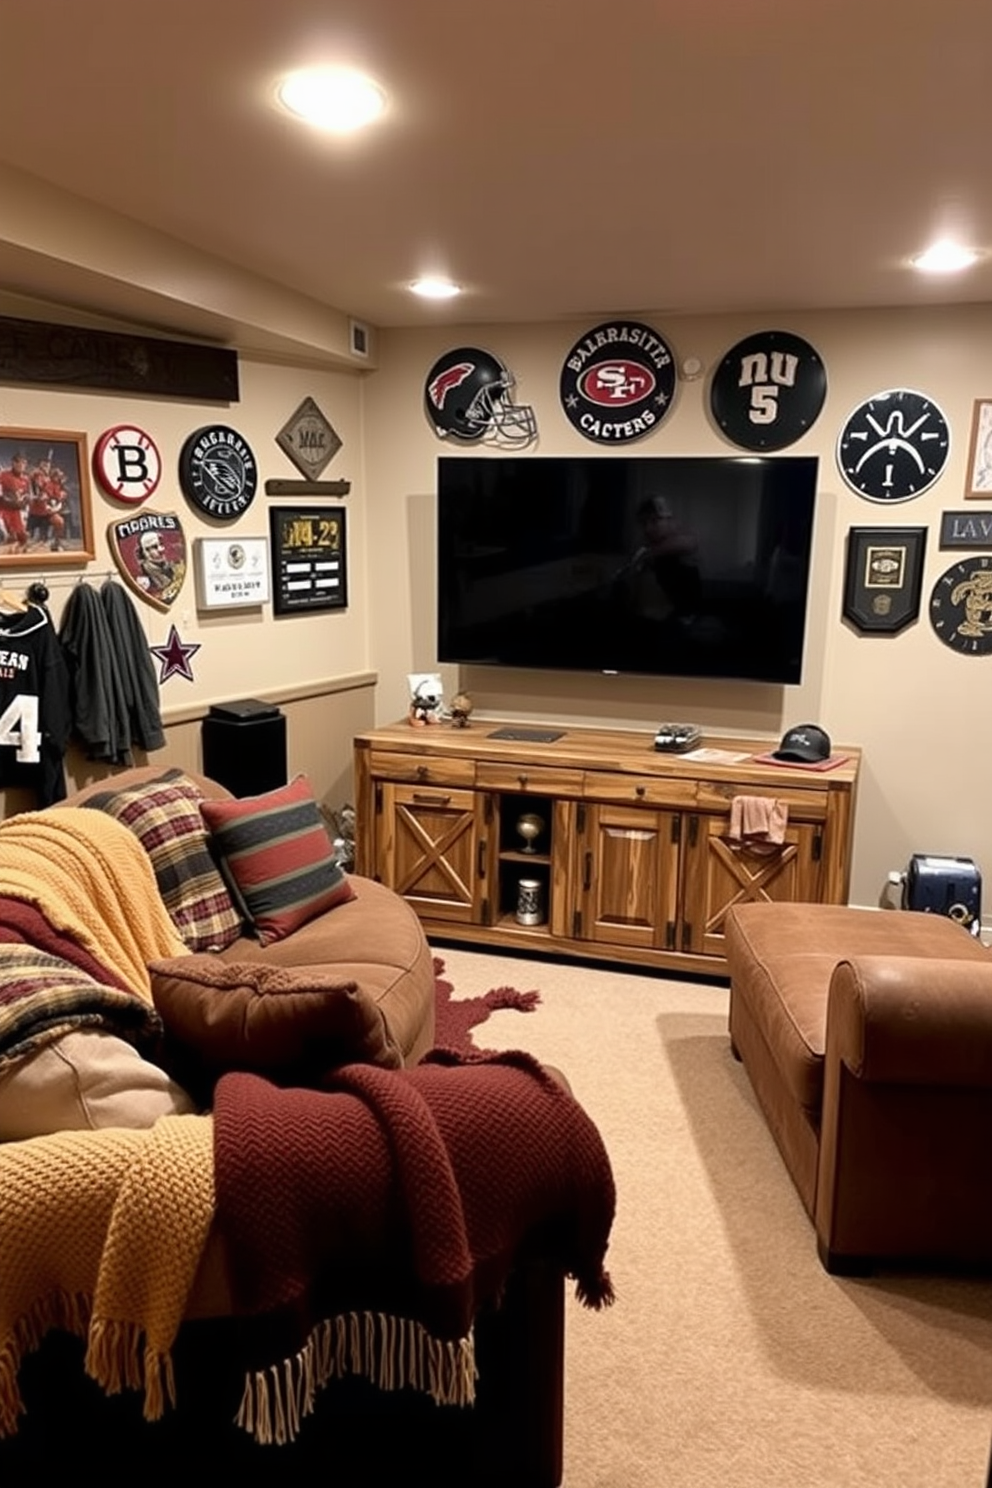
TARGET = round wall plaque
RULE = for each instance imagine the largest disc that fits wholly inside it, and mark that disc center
(894, 445)
(217, 472)
(617, 382)
(961, 606)
(768, 390)
(127, 464)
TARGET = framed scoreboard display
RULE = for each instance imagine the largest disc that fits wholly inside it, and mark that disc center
(309, 559)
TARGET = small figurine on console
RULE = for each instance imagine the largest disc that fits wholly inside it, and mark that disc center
(426, 698)
(461, 709)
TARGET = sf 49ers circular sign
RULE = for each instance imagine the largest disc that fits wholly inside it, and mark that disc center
(617, 382)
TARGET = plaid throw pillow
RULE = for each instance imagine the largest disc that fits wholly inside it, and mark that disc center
(278, 855)
(164, 815)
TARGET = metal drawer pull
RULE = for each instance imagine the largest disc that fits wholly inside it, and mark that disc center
(423, 800)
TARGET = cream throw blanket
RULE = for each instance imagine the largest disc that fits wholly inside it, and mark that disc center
(101, 1234)
(91, 878)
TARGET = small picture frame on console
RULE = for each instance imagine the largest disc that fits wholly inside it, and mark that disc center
(883, 577)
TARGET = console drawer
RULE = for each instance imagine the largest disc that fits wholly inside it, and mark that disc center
(420, 769)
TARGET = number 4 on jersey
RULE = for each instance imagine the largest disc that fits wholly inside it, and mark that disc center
(19, 728)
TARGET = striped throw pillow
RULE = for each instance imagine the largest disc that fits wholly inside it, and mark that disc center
(164, 814)
(278, 856)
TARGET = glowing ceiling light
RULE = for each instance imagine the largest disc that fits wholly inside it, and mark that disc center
(944, 257)
(432, 288)
(332, 98)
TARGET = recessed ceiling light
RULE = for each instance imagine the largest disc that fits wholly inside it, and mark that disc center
(433, 288)
(332, 98)
(944, 257)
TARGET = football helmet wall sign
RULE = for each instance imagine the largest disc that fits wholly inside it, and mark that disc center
(468, 394)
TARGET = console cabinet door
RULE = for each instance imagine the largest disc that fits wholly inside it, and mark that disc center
(433, 849)
(717, 874)
(625, 874)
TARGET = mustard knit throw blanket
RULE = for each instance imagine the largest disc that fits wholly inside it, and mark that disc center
(101, 1234)
(91, 879)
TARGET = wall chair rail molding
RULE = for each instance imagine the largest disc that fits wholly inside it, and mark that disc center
(49, 354)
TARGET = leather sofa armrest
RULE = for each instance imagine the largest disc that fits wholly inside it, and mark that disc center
(906, 1020)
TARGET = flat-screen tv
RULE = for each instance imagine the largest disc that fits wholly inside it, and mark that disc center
(684, 566)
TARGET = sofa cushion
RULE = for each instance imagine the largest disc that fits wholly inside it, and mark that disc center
(85, 1081)
(278, 855)
(164, 814)
(291, 1024)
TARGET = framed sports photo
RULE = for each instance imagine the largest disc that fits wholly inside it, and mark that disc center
(309, 559)
(46, 515)
(883, 577)
(978, 480)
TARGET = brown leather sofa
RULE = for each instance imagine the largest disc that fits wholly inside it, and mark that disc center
(867, 1037)
(513, 1433)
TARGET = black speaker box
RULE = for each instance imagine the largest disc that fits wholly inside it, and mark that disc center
(244, 746)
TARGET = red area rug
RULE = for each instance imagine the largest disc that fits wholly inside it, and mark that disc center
(456, 1018)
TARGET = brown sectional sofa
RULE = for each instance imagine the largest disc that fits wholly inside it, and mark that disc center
(513, 1432)
(867, 1037)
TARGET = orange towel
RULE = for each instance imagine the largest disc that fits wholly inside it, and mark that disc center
(757, 822)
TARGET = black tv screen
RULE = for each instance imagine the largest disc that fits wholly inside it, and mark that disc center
(684, 566)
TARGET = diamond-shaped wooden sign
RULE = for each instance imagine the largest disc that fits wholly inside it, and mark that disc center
(309, 439)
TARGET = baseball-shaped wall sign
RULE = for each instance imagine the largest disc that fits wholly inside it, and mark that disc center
(127, 464)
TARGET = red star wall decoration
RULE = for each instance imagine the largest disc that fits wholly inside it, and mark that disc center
(175, 656)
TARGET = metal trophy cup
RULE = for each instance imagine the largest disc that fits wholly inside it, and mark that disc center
(529, 827)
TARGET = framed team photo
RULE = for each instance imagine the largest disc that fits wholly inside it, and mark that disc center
(46, 516)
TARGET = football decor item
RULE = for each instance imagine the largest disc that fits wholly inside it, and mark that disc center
(309, 439)
(617, 382)
(884, 577)
(150, 552)
(217, 472)
(175, 657)
(768, 390)
(894, 446)
(468, 395)
(961, 607)
(127, 464)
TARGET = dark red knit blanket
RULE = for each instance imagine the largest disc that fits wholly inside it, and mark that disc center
(407, 1191)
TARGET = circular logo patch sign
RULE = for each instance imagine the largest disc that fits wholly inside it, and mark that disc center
(127, 464)
(217, 472)
(768, 390)
(617, 382)
(961, 607)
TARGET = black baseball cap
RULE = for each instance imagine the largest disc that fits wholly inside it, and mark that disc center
(807, 744)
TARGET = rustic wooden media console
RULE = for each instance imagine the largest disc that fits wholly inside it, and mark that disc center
(633, 861)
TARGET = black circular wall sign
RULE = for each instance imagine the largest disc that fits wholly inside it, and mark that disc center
(217, 472)
(894, 445)
(617, 382)
(961, 606)
(768, 390)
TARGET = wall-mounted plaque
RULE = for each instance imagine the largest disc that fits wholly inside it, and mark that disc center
(883, 577)
(309, 439)
(966, 529)
(309, 559)
(231, 573)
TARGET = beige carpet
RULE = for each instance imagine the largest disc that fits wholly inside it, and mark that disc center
(731, 1359)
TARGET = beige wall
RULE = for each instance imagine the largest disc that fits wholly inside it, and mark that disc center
(316, 667)
(921, 712)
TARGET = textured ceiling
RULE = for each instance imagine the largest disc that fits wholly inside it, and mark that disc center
(557, 159)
